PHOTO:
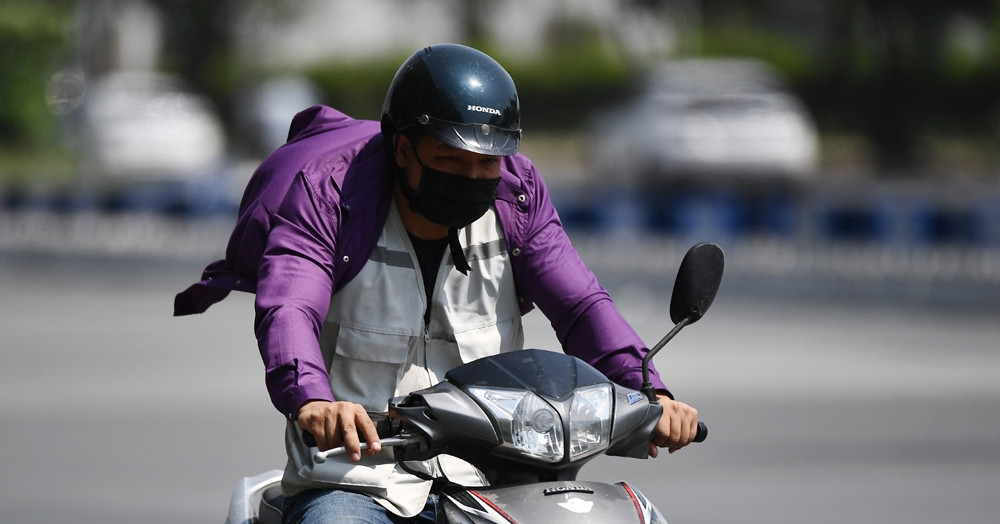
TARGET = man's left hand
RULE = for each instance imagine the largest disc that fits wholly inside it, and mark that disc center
(677, 426)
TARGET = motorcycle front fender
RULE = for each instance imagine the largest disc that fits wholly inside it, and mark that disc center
(576, 502)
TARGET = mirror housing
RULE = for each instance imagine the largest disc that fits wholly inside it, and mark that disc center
(697, 283)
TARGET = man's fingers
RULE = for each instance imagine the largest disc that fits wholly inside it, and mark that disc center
(359, 425)
(677, 427)
(351, 441)
(682, 432)
(369, 432)
(331, 431)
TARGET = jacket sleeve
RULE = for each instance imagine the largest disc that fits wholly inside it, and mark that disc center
(295, 281)
(553, 276)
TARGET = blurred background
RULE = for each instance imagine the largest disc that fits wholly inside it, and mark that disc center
(845, 154)
(836, 141)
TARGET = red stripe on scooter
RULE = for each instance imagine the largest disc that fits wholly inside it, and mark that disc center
(635, 501)
(486, 501)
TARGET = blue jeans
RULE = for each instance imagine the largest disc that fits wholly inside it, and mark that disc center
(346, 507)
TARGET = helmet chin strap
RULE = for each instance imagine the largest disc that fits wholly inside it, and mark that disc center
(457, 253)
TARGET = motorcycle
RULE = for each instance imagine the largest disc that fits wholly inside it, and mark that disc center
(529, 420)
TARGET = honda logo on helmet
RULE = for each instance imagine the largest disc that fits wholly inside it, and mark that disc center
(481, 109)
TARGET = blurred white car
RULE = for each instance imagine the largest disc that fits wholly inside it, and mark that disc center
(722, 118)
(268, 107)
(146, 127)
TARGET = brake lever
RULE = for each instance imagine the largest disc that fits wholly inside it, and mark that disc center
(320, 456)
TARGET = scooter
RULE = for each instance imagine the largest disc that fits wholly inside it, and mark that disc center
(529, 420)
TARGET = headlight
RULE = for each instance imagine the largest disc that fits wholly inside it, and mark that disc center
(534, 428)
(590, 420)
(527, 423)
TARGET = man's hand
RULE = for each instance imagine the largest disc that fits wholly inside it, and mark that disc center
(335, 424)
(677, 426)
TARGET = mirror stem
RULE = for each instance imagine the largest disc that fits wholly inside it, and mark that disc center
(647, 386)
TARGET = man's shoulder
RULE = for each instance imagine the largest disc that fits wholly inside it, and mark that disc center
(324, 120)
(357, 161)
(354, 174)
(519, 177)
(520, 166)
(318, 135)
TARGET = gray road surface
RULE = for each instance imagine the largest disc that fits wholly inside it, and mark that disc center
(111, 411)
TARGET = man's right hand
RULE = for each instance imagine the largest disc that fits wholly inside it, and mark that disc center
(335, 424)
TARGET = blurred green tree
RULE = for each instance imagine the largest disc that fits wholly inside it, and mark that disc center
(33, 44)
(891, 71)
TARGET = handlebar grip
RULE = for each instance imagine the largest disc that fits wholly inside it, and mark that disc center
(702, 433)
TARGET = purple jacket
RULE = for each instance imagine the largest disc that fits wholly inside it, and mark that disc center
(310, 217)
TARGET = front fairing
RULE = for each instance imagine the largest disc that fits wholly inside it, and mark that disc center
(452, 421)
(576, 502)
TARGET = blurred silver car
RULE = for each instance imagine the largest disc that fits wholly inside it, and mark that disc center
(141, 127)
(722, 118)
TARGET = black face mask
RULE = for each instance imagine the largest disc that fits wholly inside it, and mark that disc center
(450, 200)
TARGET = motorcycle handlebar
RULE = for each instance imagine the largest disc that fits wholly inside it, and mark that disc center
(702, 433)
(320, 456)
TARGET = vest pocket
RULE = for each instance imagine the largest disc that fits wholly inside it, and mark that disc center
(367, 366)
(490, 340)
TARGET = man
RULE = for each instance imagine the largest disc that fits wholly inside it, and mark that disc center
(384, 255)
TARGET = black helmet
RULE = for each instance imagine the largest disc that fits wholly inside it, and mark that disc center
(457, 94)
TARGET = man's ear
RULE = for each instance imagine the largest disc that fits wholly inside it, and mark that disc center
(402, 147)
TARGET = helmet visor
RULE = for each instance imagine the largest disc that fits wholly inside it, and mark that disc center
(478, 138)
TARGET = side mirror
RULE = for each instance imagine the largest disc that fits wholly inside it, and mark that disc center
(697, 283)
(695, 288)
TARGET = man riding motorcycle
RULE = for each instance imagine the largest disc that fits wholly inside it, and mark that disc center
(385, 254)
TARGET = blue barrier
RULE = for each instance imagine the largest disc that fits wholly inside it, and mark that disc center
(855, 214)
(860, 213)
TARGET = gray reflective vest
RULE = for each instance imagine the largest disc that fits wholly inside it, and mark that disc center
(377, 346)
